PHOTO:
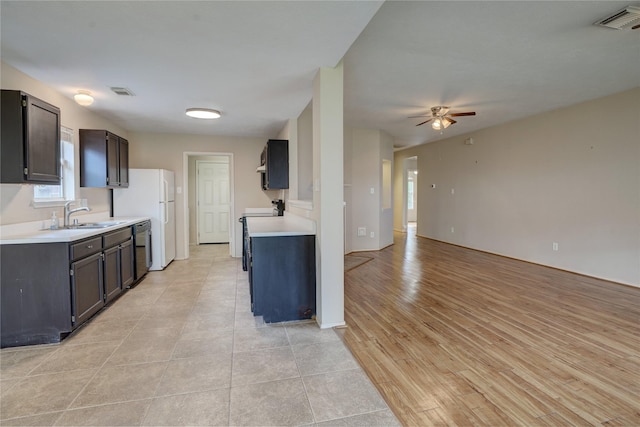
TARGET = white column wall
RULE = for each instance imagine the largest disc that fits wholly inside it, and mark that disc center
(328, 194)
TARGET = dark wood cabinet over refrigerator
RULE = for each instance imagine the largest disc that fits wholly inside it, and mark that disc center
(104, 159)
(30, 140)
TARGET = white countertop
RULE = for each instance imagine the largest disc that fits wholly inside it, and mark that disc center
(23, 233)
(288, 225)
(258, 212)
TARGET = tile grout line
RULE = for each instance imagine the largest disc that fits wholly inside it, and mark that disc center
(155, 391)
(233, 341)
(304, 386)
(68, 408)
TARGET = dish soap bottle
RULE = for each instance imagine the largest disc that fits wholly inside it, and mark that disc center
(55, 224)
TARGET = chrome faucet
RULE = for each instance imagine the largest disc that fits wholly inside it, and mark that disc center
(68, 212)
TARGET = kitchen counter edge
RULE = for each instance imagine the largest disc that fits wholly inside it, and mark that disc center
(66, 235)
(288, 225)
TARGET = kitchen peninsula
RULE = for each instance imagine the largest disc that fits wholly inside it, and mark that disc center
(282, 267)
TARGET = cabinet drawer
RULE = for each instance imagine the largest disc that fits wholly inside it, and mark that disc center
(116, 237)
(86, 248)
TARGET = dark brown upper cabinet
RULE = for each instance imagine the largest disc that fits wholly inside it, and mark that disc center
(104, 159)
(30, 140)
(275, 160)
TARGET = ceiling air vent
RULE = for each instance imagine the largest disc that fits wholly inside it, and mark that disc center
(122, 91)
(625, 19)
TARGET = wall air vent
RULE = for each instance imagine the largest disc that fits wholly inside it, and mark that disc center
(625, 19)
(123, 91)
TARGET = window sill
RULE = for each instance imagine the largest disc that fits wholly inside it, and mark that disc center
(53, 203)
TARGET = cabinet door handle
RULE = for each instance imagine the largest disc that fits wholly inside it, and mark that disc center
(89, 246)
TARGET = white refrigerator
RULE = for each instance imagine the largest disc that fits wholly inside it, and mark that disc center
(151, 193)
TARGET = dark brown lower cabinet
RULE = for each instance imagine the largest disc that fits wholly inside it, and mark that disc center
(127, 263)
(118, 269)
(87, 287)
(50, 289)
(112, 283)
(34, 294)
(282, 277)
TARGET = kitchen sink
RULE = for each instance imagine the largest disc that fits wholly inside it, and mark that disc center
(103, 224)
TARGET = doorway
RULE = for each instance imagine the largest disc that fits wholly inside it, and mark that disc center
(410, 208)
(213, 204)
(190, 198)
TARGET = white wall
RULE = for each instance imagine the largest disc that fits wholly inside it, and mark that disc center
(15, 204)
(368, 148)
(348, 192)
(319, 134)
(386, 213)
(328, 149)
(305, 154)
(570, 176)
(365, 176)
(165, 151)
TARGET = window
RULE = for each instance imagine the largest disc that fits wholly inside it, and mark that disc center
(52, 195)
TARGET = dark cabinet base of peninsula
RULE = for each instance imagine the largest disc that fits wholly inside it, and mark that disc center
(283, 277)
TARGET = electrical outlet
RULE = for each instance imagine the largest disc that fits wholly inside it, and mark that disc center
(372, 234)
(453, 230)
(362, 231)
(555, 246)
(453, 191)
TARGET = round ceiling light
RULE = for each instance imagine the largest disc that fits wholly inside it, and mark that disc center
(203, 113)
(83, 97)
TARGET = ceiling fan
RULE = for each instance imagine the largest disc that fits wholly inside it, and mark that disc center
(441, 118)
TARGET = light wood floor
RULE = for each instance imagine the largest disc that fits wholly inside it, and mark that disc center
(452, 336)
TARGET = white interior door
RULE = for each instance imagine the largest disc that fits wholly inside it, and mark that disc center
(214, 202)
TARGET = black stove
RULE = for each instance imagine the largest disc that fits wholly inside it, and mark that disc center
(250, 212)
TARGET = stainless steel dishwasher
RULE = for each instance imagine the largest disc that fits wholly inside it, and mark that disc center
(142, 240)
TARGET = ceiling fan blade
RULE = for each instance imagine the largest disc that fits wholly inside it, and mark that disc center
(470, 113)
(426, 121)
(450, 120)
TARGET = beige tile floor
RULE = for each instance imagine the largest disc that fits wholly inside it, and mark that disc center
(183, 348)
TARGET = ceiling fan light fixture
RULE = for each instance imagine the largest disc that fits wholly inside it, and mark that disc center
(203, 113)
(437, 124)
(439, 110)
(83, 97)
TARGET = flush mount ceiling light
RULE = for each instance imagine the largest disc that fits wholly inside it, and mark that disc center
(203, 113)
(83, 97)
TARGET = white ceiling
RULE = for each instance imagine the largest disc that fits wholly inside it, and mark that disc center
(255, 61)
